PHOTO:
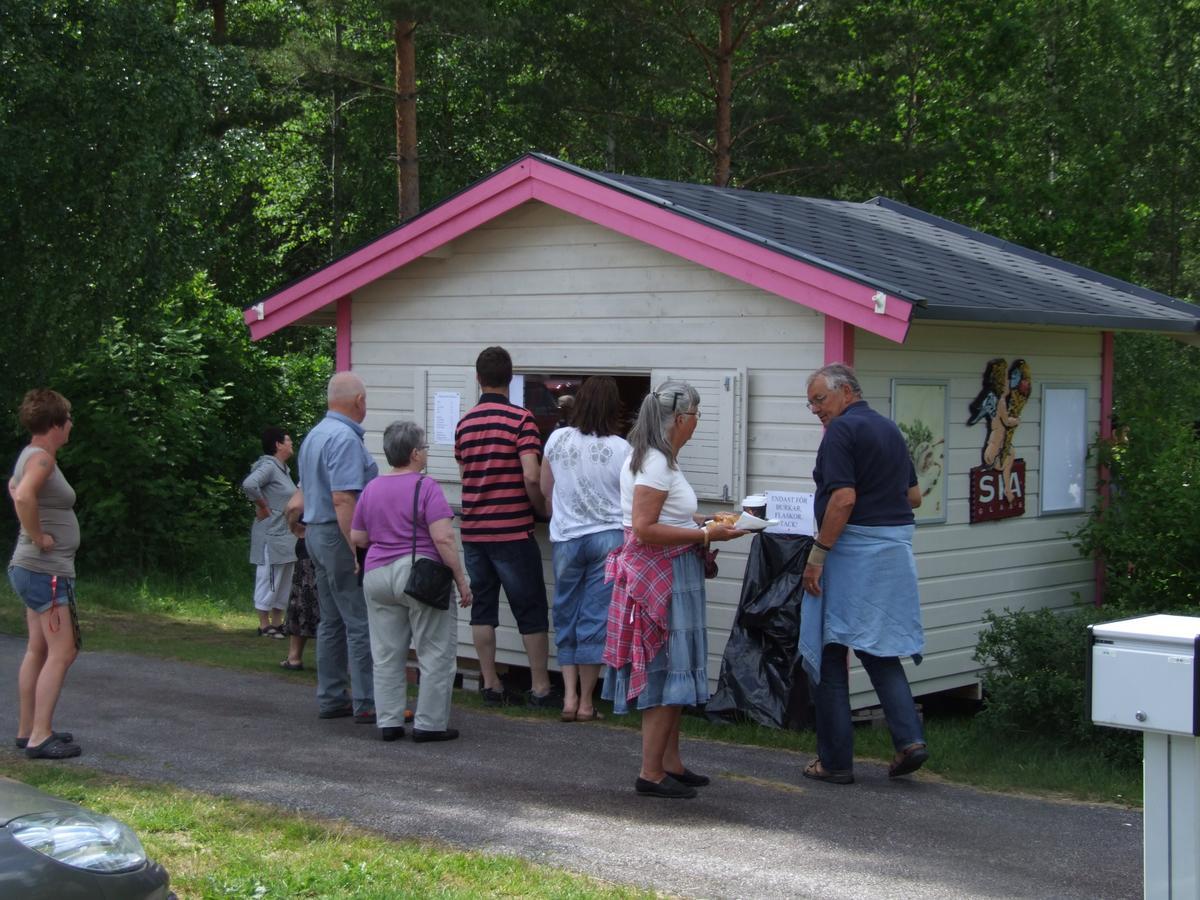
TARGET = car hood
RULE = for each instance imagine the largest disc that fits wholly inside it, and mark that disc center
(17, 799)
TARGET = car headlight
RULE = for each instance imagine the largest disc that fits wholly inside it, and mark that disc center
(82, 839)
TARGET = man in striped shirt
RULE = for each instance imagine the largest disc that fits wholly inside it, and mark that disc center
(499, 450)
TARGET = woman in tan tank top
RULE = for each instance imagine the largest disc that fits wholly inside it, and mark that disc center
(42, 572)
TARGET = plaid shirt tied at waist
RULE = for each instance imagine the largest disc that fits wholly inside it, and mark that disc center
(638, 616)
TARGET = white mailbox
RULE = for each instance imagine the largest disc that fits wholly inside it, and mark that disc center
(1144, 674)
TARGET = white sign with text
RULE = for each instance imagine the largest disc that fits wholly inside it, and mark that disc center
(447, 410)
(793, 509)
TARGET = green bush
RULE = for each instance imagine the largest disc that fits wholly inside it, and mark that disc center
(1035, 685)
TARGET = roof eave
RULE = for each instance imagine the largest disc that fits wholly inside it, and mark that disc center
(535, 177)
(1077, 320)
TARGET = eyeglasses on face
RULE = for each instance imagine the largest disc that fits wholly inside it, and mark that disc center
(818, 400)
(695, 413)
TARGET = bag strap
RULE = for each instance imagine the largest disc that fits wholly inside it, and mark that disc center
(416, 496)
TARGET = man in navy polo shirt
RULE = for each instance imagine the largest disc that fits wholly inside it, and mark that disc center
(860, 584)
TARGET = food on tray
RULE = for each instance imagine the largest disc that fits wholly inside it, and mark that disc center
(726, 518)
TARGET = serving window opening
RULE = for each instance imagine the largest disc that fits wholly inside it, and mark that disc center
(550, 397)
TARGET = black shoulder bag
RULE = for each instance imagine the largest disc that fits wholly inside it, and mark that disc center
(428, 581)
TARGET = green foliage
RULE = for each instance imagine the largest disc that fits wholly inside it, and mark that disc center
(1144, 532)
(103, 107)
(167, 418)
(155, 180)
(1035, 686)
(1146, 536)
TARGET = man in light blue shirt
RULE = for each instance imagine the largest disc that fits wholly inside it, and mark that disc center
(334, 467)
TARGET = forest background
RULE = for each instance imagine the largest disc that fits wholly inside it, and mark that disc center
(165, 164)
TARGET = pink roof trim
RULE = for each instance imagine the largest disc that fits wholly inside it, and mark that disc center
(839, 342)
(341, 361)
(532, 179)
(1106, 408)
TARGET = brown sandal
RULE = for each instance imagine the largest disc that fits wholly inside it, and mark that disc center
(817, 772)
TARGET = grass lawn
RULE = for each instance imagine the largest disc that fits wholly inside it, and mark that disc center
(208, 619)
(214, 847)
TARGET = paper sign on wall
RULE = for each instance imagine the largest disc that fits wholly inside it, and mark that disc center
(447, 409)
(516, 390)
(793, 509)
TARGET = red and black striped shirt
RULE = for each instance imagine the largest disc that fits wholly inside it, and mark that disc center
(489, 443)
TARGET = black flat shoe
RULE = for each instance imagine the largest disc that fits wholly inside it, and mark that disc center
(391, 733)
(53, 747)
(690, 778)
(22, 743)
(420, 737)
(338, 712)
(668, 788)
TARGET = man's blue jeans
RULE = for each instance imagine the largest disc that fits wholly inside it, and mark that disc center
(835, 733)
(343, 639)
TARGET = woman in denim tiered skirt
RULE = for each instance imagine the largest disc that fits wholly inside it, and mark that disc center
(657, 644)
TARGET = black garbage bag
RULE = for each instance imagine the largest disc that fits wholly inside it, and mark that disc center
(760, 678)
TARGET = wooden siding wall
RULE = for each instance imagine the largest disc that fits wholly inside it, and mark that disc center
(562, 295)
(1023, 562)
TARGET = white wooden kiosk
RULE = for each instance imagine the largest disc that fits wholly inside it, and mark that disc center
(744, 294)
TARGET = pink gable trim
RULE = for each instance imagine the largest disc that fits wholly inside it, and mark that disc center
(532, 179)
(342, 359)
(839, 341)
(1106, 406)
(1106, 383)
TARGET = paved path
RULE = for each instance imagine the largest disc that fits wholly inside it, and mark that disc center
(562, 795)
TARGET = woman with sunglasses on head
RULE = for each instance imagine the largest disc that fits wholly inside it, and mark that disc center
(657, 643)
(42, 572)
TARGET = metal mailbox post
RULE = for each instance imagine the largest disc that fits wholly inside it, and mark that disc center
(1143, 675)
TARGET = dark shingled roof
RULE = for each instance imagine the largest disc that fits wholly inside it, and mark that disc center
(946, 270)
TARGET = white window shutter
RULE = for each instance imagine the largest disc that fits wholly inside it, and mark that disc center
(427, 383)
(714, 460)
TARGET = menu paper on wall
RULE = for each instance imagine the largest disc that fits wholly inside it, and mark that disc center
(793, 509)
(447, 409)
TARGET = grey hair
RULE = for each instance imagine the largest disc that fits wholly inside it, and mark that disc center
(836, 375)
(656, 421)
(400, 439)
(344, 387)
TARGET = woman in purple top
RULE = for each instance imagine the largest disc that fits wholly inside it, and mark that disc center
(383, 524)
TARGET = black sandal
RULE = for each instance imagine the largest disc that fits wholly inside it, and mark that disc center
(54, 747)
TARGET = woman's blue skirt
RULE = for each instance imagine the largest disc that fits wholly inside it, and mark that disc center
(678, 674)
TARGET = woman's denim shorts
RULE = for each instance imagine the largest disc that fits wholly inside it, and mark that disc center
(35, 588)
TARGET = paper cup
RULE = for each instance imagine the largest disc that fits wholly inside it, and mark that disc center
(756, 505)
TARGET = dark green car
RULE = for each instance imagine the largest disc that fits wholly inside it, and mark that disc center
(52, 849)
